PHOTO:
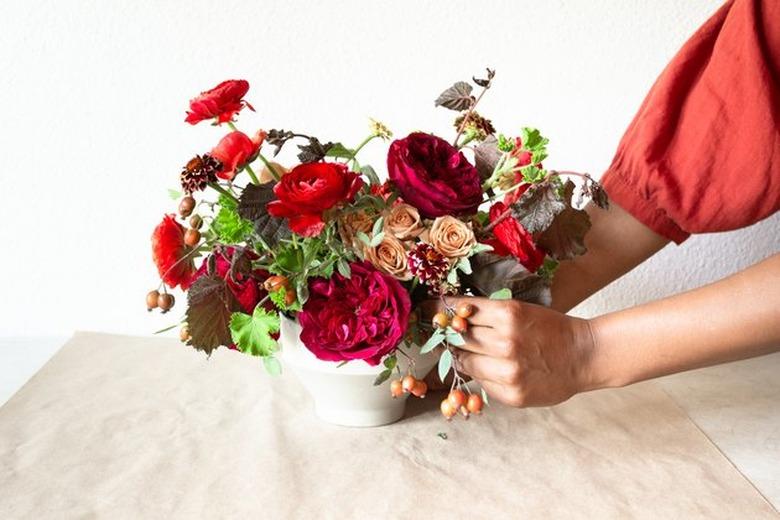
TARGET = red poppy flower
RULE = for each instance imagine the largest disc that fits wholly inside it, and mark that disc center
(168, 250)
(235, 151)
(220, 103)
(308, 190)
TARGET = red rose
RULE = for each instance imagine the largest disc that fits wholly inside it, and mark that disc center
(308, 190)
(222, 102)
(361, 317)
(515, 239)
(168, 249)
(235, 151)
(433, 176)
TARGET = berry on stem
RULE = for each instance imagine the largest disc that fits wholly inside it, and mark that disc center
(165, 302)
(419, 389)
(151, 300)
(396, 388)
(186, 206)
(464, 310)
(289, 297)
(474, 404)
(408, 382)
(457, 398)
(274, 283)
(440, 320)
(447, 410)
(184, 333)
(192, 237)
(459, 324)
(196, 221)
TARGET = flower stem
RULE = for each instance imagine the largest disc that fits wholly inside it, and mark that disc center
(251, 174)
(274, 173)
(223, 191)
(465, 121)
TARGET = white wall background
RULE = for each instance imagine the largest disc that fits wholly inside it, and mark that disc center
(93, 96)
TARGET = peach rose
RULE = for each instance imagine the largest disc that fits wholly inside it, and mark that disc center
(403, 222)
(390, 257)
(451, 237)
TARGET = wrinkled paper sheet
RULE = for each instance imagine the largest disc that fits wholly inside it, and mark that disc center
(124, 427)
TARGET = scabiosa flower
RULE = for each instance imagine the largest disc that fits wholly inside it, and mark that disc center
(199, 172)
(427, 264)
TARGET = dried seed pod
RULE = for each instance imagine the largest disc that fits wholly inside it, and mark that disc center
(186, 206)
(192, 237)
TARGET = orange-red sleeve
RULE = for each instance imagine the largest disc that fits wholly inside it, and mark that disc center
(703, 152)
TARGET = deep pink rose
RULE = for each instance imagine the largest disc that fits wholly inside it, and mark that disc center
(433, 176)
(361, 317)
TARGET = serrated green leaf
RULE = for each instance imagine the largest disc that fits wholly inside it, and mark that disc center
(278, 297)
(377, 239)
(445, 364)
(272, 365)
(456, 339)
(252, 334)
(228, 224)
(501, 294)
(436, 338)
(174, 194)
(383, 376)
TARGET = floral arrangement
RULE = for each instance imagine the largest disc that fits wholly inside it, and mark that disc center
(326, 242)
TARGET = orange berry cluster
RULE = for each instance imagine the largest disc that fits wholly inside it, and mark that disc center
(457, 401)
(155, 299)
(408, 385)
(192, 235)
(276, 282)
(463, 311)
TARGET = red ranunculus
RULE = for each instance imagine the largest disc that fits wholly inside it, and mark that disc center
(235, 151)
(433, 176)
(308, 190)
(517, 241)
(168, 249)
(361, 317)
(222, 102)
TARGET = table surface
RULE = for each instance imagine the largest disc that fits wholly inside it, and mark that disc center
(736, 406)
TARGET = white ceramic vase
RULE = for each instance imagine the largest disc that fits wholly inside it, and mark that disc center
(346, 395)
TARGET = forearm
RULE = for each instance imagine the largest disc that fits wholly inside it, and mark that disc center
(735, 318)
(616, 243)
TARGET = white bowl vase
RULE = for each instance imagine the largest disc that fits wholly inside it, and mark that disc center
(346, 395)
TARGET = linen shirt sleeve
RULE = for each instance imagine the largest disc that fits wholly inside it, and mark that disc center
(703, 152)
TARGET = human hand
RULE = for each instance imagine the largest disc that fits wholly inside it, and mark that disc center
(523, 354)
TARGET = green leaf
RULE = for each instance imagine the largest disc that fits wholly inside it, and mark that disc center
(370, 174)
(436, 338)
(456, 339)
(377, 239)
(228, 224)
(480, 248)
(210, 304)
(339, 150)
(390, 362)
(533, 173)
(452, 276)
(342, 364)
(272, 365)
(343, 268)
(278, 296)
(174, 194)
(378, 224)
(252, 334)
(363, 238)
(505, 144)
(533, 140)
(445, 364)
(548, 268)
(383, 376)
(484, 396)
(464, 265)
(501, 294)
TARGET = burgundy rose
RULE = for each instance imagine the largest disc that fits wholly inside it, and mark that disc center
(361, 317)
(433, 176)
(308, 190)
(513, 239)
(168, 252)
(234, 151)
(220, 103)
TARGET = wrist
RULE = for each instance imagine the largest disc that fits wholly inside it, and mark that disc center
(596, 370)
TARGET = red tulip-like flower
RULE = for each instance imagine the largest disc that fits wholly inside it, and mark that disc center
(220, 103)
(310, 189)
(361, 317)
(434, 176)
(168, 250)
(515, 239)
(236, 150)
